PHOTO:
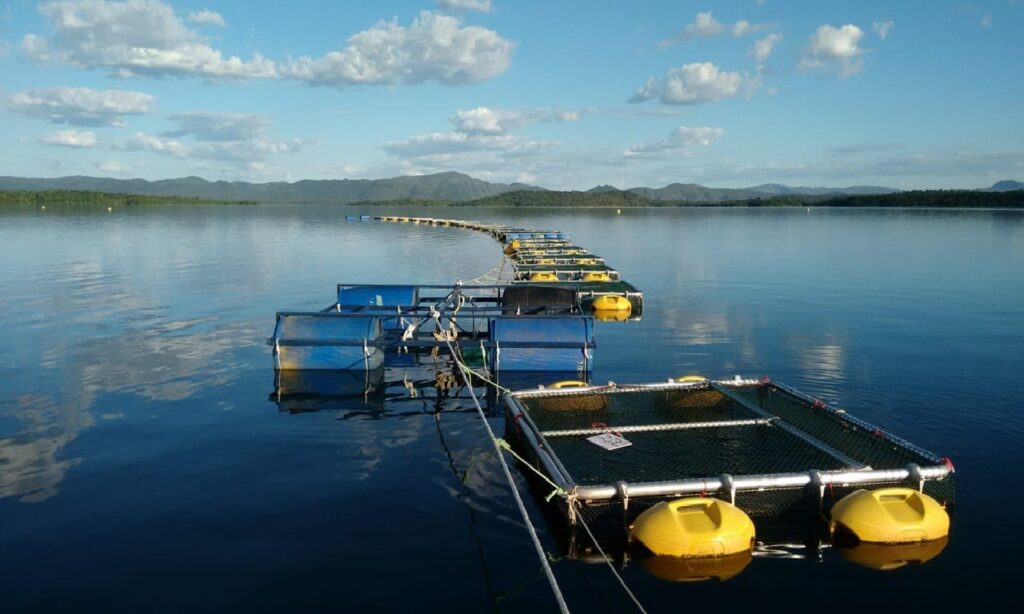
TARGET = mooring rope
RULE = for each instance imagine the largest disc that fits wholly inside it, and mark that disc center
(515, 493)
(607, 559)
(500, 444)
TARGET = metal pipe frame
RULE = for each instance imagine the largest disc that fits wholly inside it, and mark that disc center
(651, 428)
(727, 485)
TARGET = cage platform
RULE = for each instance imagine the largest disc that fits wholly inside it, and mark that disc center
(758, 444)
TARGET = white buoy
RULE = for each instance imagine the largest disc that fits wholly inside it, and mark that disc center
(618, 212)
(109, 209)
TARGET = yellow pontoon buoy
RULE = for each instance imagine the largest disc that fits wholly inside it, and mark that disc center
(610, 316)
(612, 303)
(545, 261)
(886, 557)
(675, 569)
(890, 516)
(586, 261)
(596, 276)
(543, 276)
(694, 527)
(691, 379)
(569, 383)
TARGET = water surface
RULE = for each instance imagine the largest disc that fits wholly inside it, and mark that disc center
(143, 463)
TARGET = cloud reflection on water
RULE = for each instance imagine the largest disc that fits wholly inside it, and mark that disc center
(155, 363)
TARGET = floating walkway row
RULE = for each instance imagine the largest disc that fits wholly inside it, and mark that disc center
(684, 465)
(549, 257)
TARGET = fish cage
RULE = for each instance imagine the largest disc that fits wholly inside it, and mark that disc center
(511, 328)
(617, 449)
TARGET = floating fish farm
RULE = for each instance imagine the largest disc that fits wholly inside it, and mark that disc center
(683, 466)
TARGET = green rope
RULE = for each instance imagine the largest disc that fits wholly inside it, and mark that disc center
(558, 490)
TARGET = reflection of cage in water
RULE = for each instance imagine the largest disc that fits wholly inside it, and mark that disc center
(761, 445)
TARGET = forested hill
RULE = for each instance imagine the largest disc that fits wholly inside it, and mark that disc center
(967, 199)
(81, 197)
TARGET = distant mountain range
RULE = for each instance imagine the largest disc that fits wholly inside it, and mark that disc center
(449, 186)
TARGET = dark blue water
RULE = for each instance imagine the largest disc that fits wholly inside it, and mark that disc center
(144, 465)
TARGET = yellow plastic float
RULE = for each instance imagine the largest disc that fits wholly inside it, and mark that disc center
(886, 557)
(545, 261)
(675, 569)
(611, 303)
(574, 403)
(586, 261)
(543, 276)
(691, 379)
(694, 527)
(569, 383)
(610, 316)
(890, 516)
(596, 276)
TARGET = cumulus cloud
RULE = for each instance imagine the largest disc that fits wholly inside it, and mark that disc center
(446, 142)
(882, 28)
(432, 48)
(762, 47)
(137, 38)
(230, 137)
(477, 130)
(133, 38)
(482, 6)
(140, 141)
(682, 138)
(487, 120)
(691, 84)
(81, 106)
(206, 17)
(705, 25)
(834, 50)
(219, 126)
(248, 150)
(70, 138)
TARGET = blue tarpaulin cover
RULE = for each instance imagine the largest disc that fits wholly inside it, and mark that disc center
(319, 330)
(577, 331)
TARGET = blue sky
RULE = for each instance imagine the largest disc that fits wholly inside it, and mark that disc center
(560, 94)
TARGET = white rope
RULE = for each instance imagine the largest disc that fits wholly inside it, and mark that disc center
(501, 443)
(515, 493)
(607, 560)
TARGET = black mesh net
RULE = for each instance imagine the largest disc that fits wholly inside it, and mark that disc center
(664, 450)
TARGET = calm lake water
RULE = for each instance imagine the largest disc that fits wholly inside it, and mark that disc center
(144, 466)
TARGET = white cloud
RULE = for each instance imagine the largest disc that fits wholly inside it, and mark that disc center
(219, 126)
(705, 25)
(81, 106)
(834, 50)
(70, 138)
(133, 38)
(691, 84)
(486, 120)
(482, 6)
(882, 28)
(140, 141)
(230, 137)
(682, 138)
(252, 150)
(433, 48)
(113, 166)
(762, 47)
(443, 143)
(138, 38)
(206, 17)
